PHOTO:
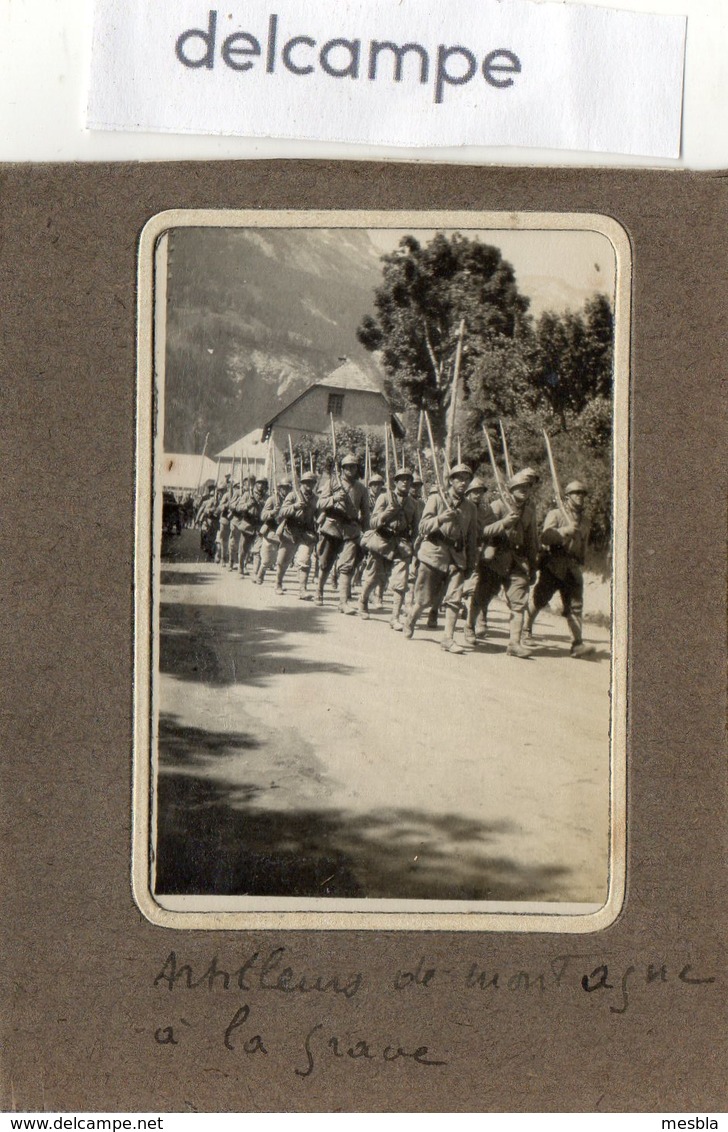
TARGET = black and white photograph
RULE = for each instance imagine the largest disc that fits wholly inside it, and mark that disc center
(381, 583)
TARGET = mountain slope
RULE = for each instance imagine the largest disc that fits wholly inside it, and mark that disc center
(254, 316)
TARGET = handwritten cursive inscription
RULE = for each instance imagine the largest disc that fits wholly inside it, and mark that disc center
(268, 972)
(364, 1049)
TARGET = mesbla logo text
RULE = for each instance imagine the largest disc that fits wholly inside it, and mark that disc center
(374, 60)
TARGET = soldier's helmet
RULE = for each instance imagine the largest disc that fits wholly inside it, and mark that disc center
(349, 459)
(417, 480)
(521, 479)
(309, 477)
(576, 487)
(533, 475)
(460, 470)
(376, 479)
(403, 474)
(285, 482)
(262, 481)
(476, 484)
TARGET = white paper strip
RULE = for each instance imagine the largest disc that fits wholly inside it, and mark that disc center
(393, 72)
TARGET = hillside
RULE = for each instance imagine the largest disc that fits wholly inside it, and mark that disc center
(255, 316)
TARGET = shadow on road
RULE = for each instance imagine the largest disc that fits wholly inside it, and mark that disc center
(220, 838)
(186, 578)
(223, 644)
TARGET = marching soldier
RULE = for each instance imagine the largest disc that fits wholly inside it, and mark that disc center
(248, 509)
(510, 557)
(206, 520)
(476, 493)
(447, 555)
(297, 535)
(416, 496)
(564, 538)
(344, 504)
(238, 495)
(268, 533)
(225, 515)
(376, 487)
(390, 545)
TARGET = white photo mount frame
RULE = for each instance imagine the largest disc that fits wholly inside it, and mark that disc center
(275, 913)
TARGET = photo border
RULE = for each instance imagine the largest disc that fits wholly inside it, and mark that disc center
(150, 394)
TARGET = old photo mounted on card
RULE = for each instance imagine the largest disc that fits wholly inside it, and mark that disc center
(381, 570)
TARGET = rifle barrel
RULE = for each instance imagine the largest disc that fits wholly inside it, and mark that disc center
(506, 457)
(494, 466)
(433, 450)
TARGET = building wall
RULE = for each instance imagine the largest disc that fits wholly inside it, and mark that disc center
(310, 413)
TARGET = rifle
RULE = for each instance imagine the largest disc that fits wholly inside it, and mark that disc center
(433, 450)
(506, 457)
(202, 461)
(506, 497)
(388, 466)
(367, 462)
(334, 469)
(217, 473)
(272, 483)
(422, 476)
(454, 392)
(555, 479)
(295, 482)
(460, 451)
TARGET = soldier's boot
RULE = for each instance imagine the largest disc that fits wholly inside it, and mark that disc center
(345, 605)
(377, 600)
(411, 620)
(303, 594)
(527, 638)
(578, 649)
(320, 586)
(481, 625)
(469, 627)
(397, 601)
(279, 581)
(515, 648)
(259, 576)
(363, 606)
(447, 644)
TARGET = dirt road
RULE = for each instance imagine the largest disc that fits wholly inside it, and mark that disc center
(303, 752)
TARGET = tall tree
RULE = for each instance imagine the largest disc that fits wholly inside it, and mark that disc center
(426, 292)
(573, 356)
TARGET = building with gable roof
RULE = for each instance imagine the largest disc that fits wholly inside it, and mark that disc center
(352, 397)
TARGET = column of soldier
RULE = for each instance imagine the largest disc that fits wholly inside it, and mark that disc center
(453, 551)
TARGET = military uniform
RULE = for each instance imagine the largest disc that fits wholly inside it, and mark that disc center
(268, 532)
(390, 544)
(247, 510)
(345, 510)
(297, 535)
(225, 515)
(509, 558)
(206, 520)
(447, 554)
(564, 537)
